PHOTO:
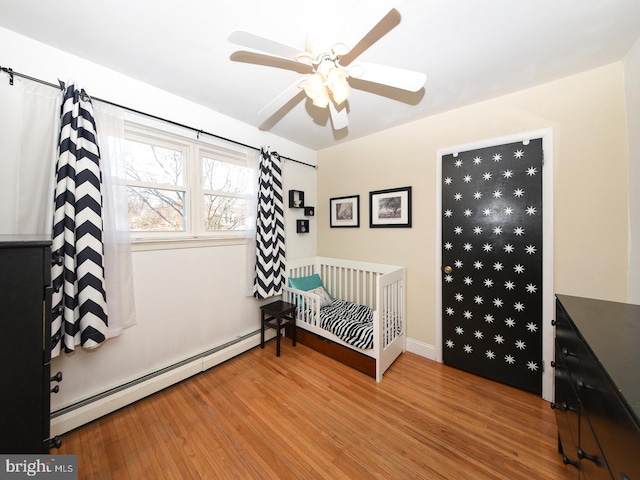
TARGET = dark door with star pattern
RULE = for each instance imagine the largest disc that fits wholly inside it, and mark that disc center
(492, 263)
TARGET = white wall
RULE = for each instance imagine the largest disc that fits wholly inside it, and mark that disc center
(632, 98)
(188, 300)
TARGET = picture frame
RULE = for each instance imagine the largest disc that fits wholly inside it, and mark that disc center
(390, 208)
(344, 212)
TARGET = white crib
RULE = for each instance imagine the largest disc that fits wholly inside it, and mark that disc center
(378, 286)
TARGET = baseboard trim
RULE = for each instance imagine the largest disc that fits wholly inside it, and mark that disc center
(81, 413)
(423, 349)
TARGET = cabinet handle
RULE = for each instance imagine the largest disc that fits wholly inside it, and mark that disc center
(553, 364)
(567, 461)
(55, 442)
(585, 455)
(554, 323)
(57, 377)
(55, 389)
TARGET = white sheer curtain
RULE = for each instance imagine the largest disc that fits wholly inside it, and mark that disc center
(29, 125)
(253, 162)
(117, 245)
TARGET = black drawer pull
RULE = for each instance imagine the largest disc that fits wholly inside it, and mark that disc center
(554, 323)
(55, 442)
(585, 455)
(553, 364)
(567, 461)
(55, 389)
(57, 377)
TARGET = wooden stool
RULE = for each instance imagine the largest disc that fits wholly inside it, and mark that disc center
(276, 315)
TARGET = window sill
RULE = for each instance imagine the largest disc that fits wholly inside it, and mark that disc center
(146, 244)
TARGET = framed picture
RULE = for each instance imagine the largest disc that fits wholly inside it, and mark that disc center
(345, 211)
(390, 208)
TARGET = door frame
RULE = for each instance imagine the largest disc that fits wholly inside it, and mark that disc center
(548, 300)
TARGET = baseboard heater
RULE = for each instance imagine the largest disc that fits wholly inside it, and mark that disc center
(96, 406)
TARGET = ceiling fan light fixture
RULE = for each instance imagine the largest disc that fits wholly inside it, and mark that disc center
(322, 99)
(314, 85)
(340, 93)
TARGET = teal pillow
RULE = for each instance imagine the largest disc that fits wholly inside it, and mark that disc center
(306, 283)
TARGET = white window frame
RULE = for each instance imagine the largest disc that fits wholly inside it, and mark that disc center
(194, 150)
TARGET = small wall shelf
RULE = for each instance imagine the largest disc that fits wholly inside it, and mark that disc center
(296, 199)
(309, 211)
(302, 226)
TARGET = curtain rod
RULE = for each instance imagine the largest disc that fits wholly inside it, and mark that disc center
(13, 73)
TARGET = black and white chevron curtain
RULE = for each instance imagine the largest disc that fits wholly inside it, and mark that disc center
(270, 244)
(79, 298)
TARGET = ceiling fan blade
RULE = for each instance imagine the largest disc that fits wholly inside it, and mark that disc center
(280, 101)
(339, 118)
(390, 76)
(251, 40)
(366, 21)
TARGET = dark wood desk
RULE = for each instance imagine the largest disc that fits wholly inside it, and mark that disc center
(277, 315)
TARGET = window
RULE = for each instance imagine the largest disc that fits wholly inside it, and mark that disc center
(182, 188)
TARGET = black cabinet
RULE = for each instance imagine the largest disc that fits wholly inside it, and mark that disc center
(597, 387)
(25, 353)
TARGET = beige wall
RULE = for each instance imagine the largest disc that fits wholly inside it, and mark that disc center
(586, 113)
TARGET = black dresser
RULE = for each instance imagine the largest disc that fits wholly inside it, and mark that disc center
(597, 387)
(25, 352)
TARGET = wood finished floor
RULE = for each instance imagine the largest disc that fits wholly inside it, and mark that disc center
(304, 415)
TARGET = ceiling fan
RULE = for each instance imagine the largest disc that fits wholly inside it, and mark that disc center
(328, 54)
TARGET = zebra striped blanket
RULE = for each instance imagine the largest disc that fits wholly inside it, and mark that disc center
(349, 321)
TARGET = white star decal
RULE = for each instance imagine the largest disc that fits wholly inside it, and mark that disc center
(533, 366)
(457, 197)
(468, 348)
(448, 180)
(508, 248)
(458, 163)
(487, 247)
(519, 231)
(510, 322)
(518, 306)
(478, 334)
(457, 230)
(467, 314)
(532, 327)
(499, 339)
(518, 268)
(488, 318)
(448, 213)
(509, 359)
(450, 311)
(477, 264)
(458, 263)
(530, 249)
(497, 157)
(497, 230)
(498, 266)
(467, 280)
(477, 160)
(448, 278)
(497, 194)
(477, 230)
(518, 192)
(520, 345)
(448, 246)
(466, 178)
(498, 302)
(508, 211)
(531, 288)
(531, 210)
(518, 154)
(509, 285)
(486, 212)
(478, 299)
(487, 176)
(532, 171)
(459, 330)
(468, 212)
(477, 195)
(450, 343)
(467, 247)
(459, 297)
(507, 174)
(490, 355)
(488, 282)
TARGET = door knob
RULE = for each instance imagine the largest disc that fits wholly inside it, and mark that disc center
(448, 270)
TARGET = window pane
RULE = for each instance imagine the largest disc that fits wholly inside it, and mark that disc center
(224, 213)
(155, 210)
(224, 176)
(153, 164)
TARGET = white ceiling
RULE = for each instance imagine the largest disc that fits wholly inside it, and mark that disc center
(471, 50)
